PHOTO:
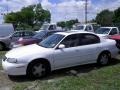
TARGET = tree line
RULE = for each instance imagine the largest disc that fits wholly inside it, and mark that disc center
(31, 17)
(108, 18)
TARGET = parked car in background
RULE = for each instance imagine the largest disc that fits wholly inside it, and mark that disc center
(60, 50)
(6, 30)
(117, 39)
(5, 42)
(86, 27)
(49, 26)
(107, 31)
(35, 39)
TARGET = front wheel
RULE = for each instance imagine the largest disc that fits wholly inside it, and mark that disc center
(37, 70)
(104, 59)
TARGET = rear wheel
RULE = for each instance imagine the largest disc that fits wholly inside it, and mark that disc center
(37, 69)
(104, 59)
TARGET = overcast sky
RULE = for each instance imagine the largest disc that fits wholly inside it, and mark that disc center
(61, 9)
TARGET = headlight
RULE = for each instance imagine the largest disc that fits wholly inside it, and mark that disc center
(17, 45)
(12, 60)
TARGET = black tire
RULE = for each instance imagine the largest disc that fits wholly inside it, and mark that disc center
(118, 45)
(104, 59)
(2, 47)
(37, 69)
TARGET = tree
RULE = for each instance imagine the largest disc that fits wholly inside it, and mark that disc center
(31, 16)
(105, 17)
(67, 24)
(61, 24)
(116, 17)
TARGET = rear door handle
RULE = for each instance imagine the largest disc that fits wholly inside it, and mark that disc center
(77, 50)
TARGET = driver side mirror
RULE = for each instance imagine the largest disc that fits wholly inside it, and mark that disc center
(61, 46)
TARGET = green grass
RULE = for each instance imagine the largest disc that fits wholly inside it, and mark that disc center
(2, 53)
(107, 78)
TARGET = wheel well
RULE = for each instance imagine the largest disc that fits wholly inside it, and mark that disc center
(106, 51)
(45, 61)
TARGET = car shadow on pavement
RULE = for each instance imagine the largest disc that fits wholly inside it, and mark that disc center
(73, 71)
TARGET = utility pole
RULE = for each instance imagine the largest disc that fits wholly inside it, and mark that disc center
(7, 7)
(86, 10)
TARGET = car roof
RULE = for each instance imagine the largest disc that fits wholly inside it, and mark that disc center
(24, 31)
(108, 27)
(73, 32)
(52, 31)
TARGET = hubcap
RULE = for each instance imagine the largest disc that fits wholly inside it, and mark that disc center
(104, 59)
(38, 70)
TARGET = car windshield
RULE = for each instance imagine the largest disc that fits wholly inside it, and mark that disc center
(51, 41)
(40, 35)
(44, 27)
(102, 31)
(78, 28)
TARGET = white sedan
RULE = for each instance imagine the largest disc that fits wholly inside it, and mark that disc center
(60, 50)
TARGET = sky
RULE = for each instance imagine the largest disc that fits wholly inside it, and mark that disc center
(61, 9)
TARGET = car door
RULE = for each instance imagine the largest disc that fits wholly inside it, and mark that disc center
(89, 48)
(78, 51)
(69, 55)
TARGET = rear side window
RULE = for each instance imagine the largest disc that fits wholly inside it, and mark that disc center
(89, 39)
(28, 33)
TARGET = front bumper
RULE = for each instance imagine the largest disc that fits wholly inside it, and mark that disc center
(13, 68)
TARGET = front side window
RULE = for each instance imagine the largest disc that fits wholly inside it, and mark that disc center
(71, 41)
(40, 35)
(51, 41)
(17, 34)
(102, 31)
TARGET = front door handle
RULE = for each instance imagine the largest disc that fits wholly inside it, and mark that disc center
(77, 50)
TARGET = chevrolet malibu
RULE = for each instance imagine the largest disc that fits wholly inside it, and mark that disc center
(60, 50)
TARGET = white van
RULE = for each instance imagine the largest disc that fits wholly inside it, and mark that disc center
(6, 30)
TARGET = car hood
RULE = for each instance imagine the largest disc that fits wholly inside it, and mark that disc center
(6, 37)
(26, 51)
(29, 41)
